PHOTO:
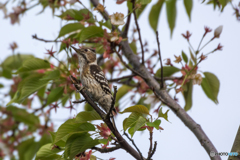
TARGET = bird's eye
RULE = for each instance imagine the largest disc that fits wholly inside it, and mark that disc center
(85, 50)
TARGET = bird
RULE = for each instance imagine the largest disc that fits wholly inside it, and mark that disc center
(93, 78)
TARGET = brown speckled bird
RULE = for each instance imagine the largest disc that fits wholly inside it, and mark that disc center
(93, 78)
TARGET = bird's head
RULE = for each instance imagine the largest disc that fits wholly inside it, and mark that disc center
(86, 54)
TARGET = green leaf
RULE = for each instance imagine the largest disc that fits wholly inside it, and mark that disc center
(137, 108)
(88, 107)
(133, 46)
(171, 13)
(157, 122)
(80, 144)
(187, 94)
(140, 10)
(51, 75)
(85, 116)
(223, 3)
(77, 95)
(124, 89)
(77, 14)
(27, 149)
(54, 95)
(106, 24)
(188, 6)
(70, 127)
(192, 56)
(103, 141)
(22, 115)
(144, 1)
(1, 85)
(185, 58)
(164, 115)
(167, 71)
(131, 120)
(139, 123)
(210, 85)
(71, 27)
(154, 14)
(33, 64)
(15, 61)
(64, 99)
(47, 153)
(90, 32)
(141, 102)
(7, 73)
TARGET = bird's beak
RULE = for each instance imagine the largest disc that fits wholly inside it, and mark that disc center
(74, 48)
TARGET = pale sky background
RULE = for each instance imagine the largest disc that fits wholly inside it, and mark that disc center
(220, 122)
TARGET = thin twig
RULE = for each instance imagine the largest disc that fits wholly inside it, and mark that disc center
(125, 64)
(41, 39)
(124, 77)
(125, 32)
(79, 101)
(159, 53)
(138, 29)
(107, 150)
(134, 144)
(150, 147)
(153, 151)
(166, 78)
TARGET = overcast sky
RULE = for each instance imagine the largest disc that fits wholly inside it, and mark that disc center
(220, 122)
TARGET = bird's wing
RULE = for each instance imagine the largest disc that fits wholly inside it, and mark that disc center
(99, 76)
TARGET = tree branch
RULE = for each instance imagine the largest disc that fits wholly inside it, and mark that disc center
(134, 144)
(124, 77)
(120, 139)
(138, 29)
(150, 147)
(125, 32)
(41, 39)
(153, 151)
(107, 150)
(159, 53)
(166, 98)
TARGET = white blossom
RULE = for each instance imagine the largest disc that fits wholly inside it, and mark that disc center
(117, 19)
(218, 31)
(151, 99)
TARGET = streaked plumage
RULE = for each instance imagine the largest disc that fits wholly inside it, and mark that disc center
(93, 78)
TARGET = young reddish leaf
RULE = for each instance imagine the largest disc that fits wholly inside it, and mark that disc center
(154, 14)
(210, 85)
